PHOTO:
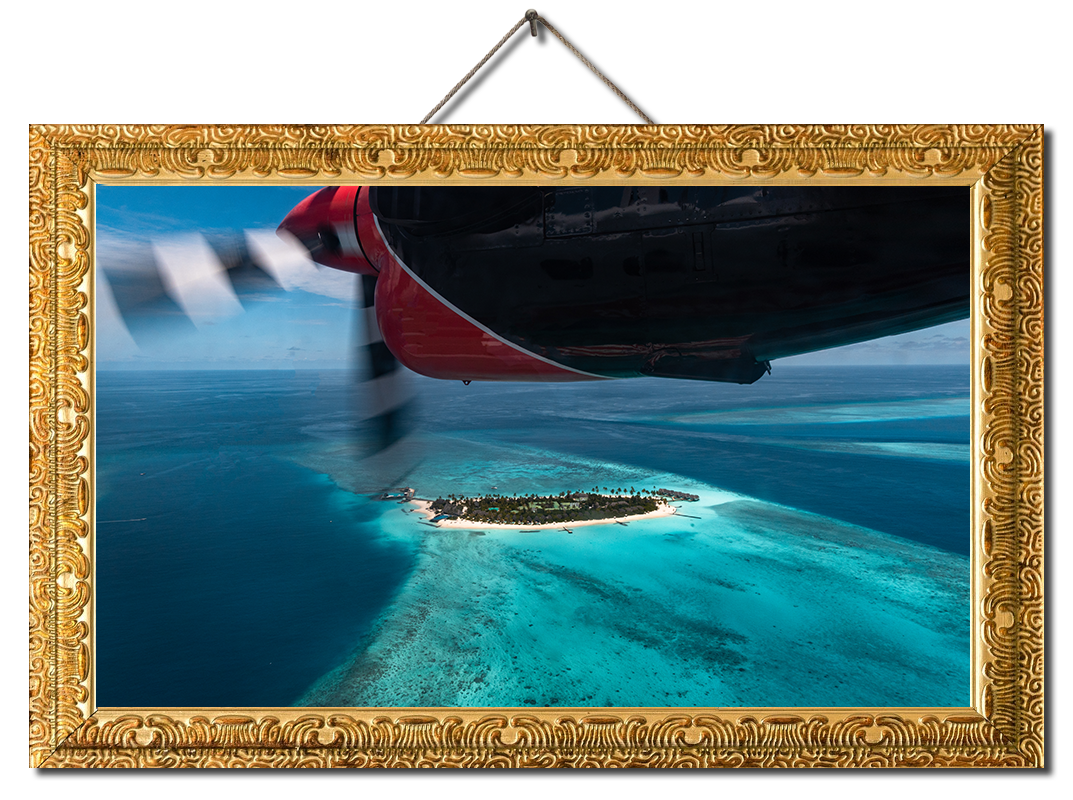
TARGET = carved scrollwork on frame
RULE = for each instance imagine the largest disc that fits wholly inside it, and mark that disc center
(1003, 726)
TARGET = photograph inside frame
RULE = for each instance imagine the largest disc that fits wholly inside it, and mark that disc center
(608, 446)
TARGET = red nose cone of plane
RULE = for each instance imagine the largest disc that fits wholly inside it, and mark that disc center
(325, 223)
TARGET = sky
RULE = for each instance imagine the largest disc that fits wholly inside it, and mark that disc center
(271, 330)
(314, 328)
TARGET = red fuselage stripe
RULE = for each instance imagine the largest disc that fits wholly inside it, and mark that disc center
(430, 336)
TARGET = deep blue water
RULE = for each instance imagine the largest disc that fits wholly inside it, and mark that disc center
(236, 566)
(244, 581)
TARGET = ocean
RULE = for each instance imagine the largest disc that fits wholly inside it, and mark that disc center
(243, 560)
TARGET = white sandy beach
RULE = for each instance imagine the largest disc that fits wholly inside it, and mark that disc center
(665, 509)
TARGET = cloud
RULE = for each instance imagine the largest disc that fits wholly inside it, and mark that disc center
(262, 297)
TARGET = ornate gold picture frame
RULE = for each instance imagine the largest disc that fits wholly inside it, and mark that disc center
(1002, 726)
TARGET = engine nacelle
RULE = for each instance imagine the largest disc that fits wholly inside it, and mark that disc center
(327, 222)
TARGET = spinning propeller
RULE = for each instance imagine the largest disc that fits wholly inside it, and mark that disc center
(181, 284)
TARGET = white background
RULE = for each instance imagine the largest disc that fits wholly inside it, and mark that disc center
(823, 61)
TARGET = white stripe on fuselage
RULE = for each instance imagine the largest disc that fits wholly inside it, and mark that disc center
(470, 319)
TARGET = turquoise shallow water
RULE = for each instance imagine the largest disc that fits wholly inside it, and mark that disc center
(749, 604)
(242, 561)
(828, 413)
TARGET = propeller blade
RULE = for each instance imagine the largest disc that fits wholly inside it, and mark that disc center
(248, 270)
(142, 301)
(195, 278)
(179, 284)
(386, 388)
(287, 261)
(191, 281)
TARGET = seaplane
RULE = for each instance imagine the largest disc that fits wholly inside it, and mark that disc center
(591, 283)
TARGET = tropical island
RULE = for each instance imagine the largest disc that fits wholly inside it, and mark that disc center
(547, 511)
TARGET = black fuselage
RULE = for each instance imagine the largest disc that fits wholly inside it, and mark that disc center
(693, 282)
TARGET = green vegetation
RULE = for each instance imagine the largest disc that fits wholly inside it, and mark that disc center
(531, 509)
